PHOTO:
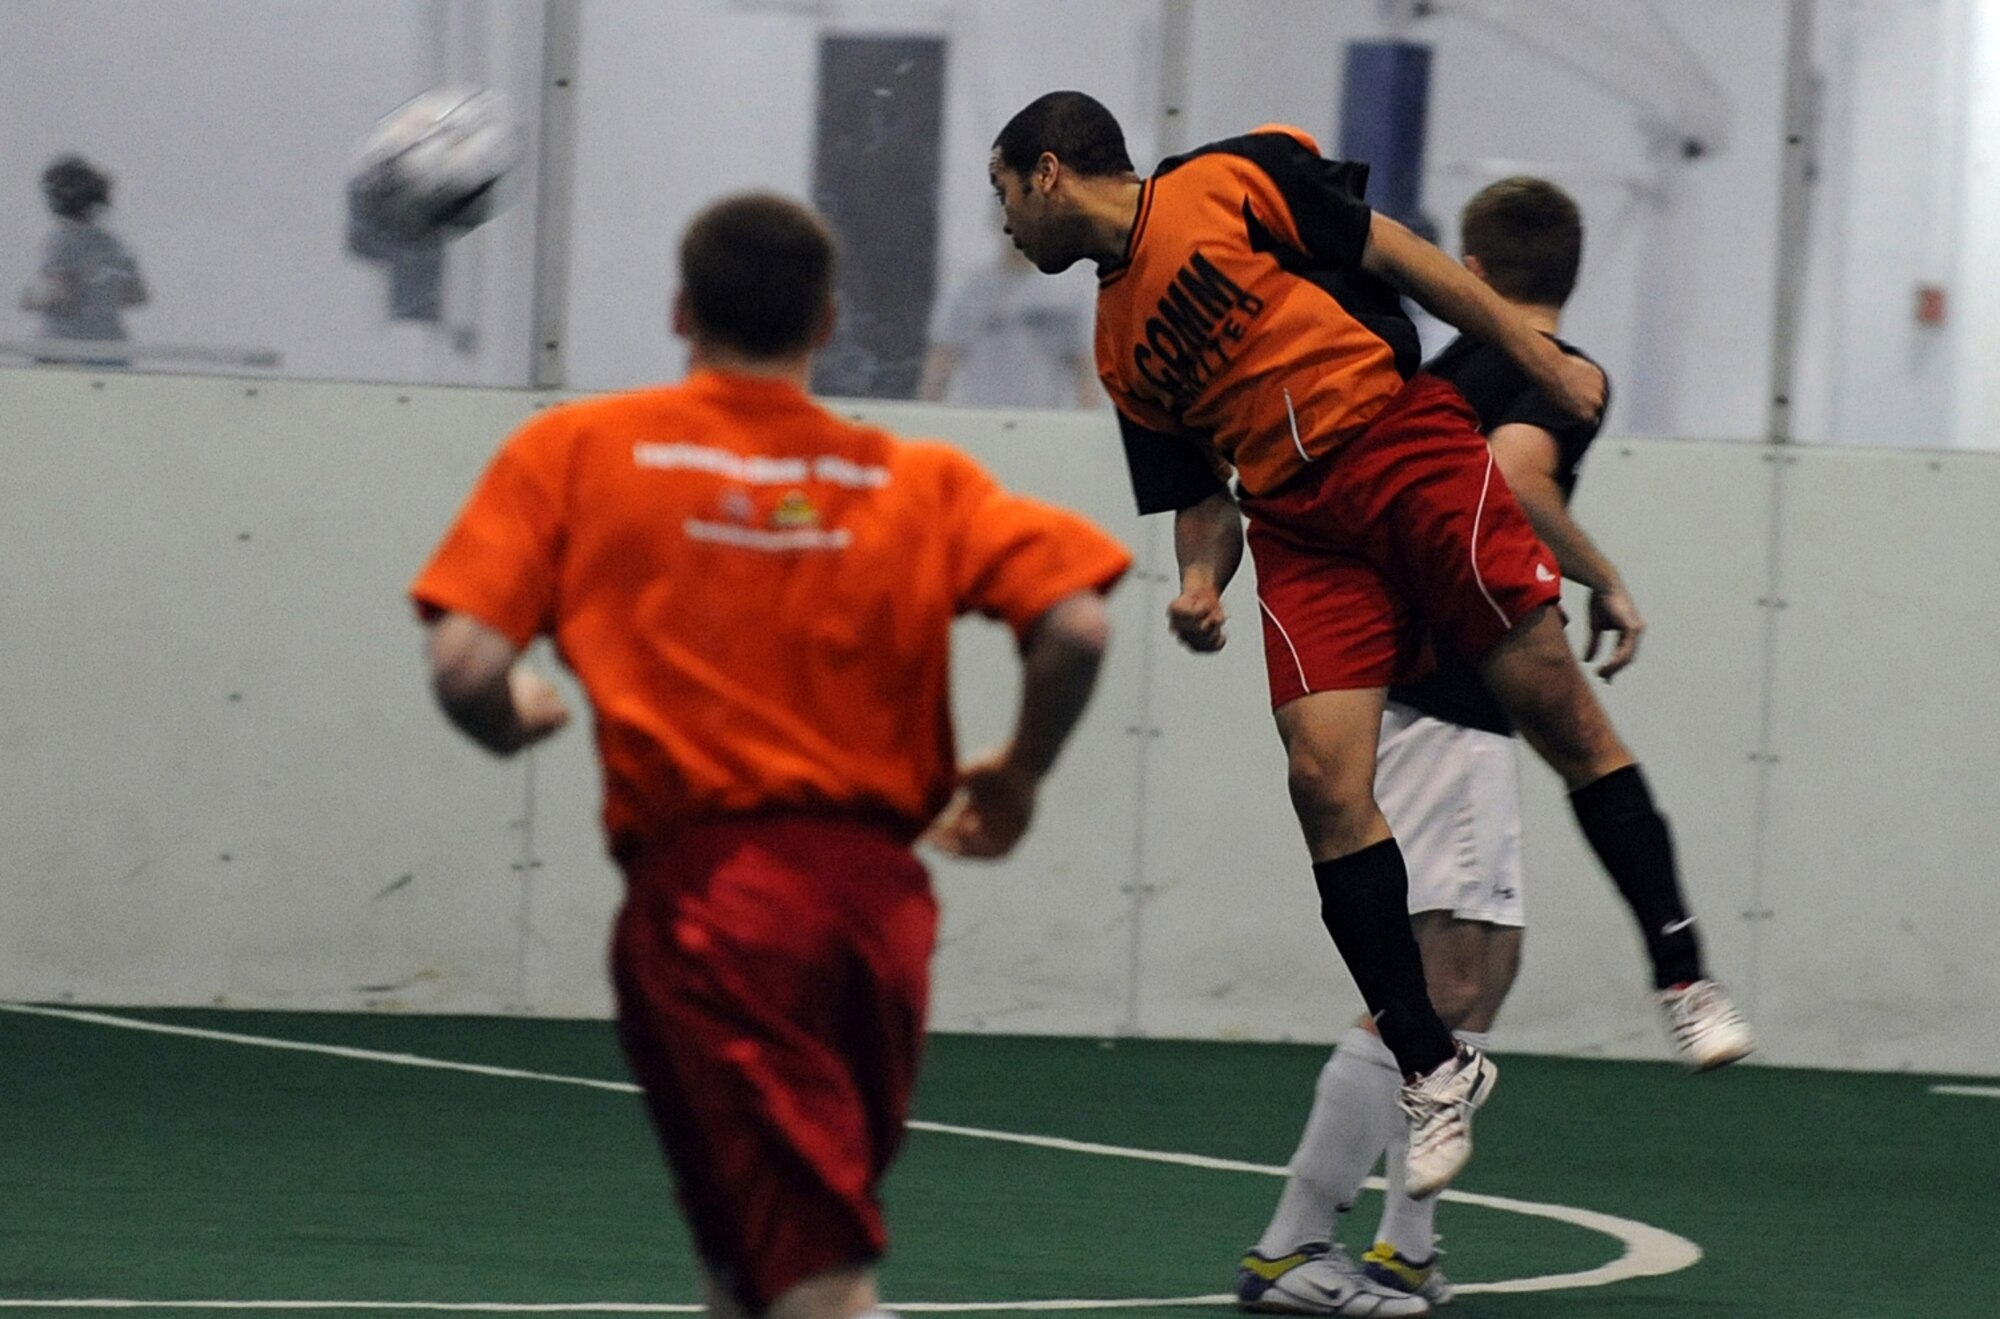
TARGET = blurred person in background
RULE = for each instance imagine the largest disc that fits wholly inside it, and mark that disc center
(1003, 337)
(87, 276)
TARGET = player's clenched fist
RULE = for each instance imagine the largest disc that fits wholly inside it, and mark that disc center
(1196, 617)
(990, 812)
(538, 706)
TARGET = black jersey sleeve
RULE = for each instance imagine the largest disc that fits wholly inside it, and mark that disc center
(1325, 196)
(1530, 406)
(1502, 394)
(1169, 472)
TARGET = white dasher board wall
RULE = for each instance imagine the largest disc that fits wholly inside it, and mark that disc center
(225, 783)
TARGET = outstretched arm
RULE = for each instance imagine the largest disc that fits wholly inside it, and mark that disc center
(1451, 293)
(500, 704)
(1208, 545)
(996, 796)
(1527, 456)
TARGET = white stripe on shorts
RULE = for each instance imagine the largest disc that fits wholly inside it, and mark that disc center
(1288, 644)
(1479, 515)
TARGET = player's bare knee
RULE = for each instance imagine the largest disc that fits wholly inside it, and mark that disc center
(1330, 795)
(1532, 666)
(1546, 694)
(1575, 737)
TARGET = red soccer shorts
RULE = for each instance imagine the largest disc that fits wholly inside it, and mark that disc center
(772, 975)
(1408, 528)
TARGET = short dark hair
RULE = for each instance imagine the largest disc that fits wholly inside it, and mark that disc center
(1528, 234)
(1077, 128)
(74, 187)
(757, 273)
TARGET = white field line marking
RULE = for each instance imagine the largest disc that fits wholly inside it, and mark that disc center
(306, 1046)
(591, 1307)
(1649, 1251)
(483, 1307)
(1976, 1091)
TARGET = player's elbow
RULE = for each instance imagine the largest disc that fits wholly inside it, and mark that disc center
(483, 711)
(1077, 628)
(460, 690)
(469, 663)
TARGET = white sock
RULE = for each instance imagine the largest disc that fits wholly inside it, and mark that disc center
(1354, 1118)
(1411, 1225)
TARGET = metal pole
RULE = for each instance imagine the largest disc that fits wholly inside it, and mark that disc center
(1176, 37)
(555, 171)
(1176, 32)
(1792, 201)
(1800, 146)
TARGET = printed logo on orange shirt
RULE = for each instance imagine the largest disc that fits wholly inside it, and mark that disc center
(794, 512)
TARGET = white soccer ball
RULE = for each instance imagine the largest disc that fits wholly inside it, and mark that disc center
(433, 168)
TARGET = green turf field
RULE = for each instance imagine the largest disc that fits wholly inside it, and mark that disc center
(200, 1175)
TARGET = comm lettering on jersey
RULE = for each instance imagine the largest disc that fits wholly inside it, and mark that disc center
(1189, 337)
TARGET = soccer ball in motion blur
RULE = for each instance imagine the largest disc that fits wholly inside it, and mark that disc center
(432, 168)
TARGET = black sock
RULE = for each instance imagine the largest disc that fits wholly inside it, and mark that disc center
(1364, 898)
(1631, 838)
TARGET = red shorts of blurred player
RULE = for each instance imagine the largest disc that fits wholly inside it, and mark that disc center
(772, 975)
(1407, 531)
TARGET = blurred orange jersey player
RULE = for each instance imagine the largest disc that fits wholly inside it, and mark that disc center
(757, 597)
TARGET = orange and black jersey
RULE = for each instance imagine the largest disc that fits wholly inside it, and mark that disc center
(1240, 332)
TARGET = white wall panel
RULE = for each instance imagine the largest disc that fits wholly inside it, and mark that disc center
(208, 656)
(1233, 941)
(1040, 943)
(221, 779)
(1686, 524)
(1883, 832)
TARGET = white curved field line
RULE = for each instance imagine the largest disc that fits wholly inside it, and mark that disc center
(1973, 1091)
(1649, 1250)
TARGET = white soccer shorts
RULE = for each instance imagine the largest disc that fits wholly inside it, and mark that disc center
(1453, 798)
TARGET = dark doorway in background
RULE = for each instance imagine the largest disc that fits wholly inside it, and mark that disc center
(875, 176)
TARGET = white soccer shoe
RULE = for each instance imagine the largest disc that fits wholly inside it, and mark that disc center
(1707, 1031)
(1439, 1107)
(1319, 1279)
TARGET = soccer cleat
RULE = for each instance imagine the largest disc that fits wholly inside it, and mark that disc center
(1439, 1107)
(1706, 1029)
(1319, 1279)
(1385, 1264)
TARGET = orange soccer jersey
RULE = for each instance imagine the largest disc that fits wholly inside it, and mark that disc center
(755, 594)
(1241, 318)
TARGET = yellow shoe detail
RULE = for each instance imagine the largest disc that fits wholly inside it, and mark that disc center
(1270, 1270)
(1387, 1257)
